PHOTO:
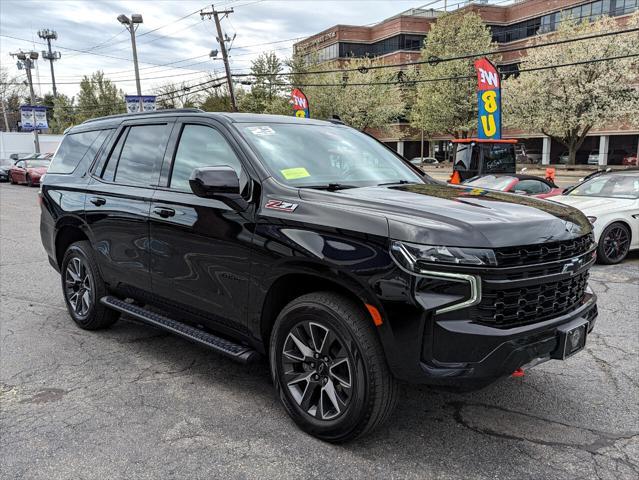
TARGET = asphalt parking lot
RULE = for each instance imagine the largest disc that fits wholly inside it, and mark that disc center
(133, 402)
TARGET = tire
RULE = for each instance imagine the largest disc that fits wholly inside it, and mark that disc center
(12, 180)
(614, 244)
(29, 181)
(80, 274)
(332, 410)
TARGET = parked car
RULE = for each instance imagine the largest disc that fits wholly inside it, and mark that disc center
(610, 200)
(348, 269)
(616, 156)
(5, 166)
(630, 161)
(533, 155)
(564, 158)
(28, 171)
(424, 161)
(593, 157)
(517, 183)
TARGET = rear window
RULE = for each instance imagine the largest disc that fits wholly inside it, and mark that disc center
(77, 148)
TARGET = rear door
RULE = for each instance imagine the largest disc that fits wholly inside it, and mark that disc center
(119, 200)
(199, 246)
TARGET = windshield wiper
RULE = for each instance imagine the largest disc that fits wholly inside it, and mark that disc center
(331, 187)
(396, 182)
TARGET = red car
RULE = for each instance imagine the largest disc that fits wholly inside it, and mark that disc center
(29, 171)
(517, 183)
(630, 161)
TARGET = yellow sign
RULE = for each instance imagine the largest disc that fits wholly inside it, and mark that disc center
(294, 173)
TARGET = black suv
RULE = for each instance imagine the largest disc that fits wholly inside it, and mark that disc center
(316, 246)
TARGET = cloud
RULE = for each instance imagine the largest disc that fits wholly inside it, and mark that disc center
(84, 24)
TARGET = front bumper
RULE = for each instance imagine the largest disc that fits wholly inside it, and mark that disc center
(470, 355)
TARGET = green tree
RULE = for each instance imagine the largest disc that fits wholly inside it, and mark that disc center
(566, 103)
(363, 98)
(64, 114)
(216, 101)
(450, 106)
(266, 94)
(98, 97)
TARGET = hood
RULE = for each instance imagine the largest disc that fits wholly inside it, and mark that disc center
(38, 170)
(462, 216)
(594, 206)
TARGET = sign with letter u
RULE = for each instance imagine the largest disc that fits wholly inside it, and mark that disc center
(488, 100)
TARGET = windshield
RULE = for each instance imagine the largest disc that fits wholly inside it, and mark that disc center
(492, 182)
(612, 186)
(37, 163)
(316, 155)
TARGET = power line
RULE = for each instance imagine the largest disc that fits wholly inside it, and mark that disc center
(460, 77)
(437, 60)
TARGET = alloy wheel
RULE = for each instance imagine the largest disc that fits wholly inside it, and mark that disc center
(616, 242)
(78, 286)
(317, 370)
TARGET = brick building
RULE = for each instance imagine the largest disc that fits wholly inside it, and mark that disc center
(400, 38)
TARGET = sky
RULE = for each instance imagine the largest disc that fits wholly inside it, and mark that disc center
(90, 38)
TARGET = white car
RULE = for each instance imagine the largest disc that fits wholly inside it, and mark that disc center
(611, 202)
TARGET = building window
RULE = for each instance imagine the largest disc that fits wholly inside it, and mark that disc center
(548, 23)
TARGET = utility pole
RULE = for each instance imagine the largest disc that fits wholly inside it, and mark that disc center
(49, 35)
(26, 61)
(222, 41)
(131, 26)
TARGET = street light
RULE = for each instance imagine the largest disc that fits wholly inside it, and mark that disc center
(131, 26)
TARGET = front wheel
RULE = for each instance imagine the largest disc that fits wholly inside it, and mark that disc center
(329, 368)
(614, 244)
(29, 181)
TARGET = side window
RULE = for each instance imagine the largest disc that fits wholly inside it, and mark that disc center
(137, 156)
(20, 164)
(109, 171)
(142, 154)
(77, 148)
(200, 146)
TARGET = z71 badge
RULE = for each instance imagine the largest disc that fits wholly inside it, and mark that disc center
(280, 205)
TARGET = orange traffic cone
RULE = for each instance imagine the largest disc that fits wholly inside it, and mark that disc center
(550, 174)
(456, 178)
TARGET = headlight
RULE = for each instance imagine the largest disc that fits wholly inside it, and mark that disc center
(409, 255)
(592, 219)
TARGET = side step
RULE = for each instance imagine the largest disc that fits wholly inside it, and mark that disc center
(239, 353)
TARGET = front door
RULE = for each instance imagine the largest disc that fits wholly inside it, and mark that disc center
(118, 202)
(199, 246)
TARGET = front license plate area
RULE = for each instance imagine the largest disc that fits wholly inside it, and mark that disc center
(572, 339)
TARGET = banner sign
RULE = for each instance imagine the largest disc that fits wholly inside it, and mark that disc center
(28, 120)
(488, 100)
(300, 104)
(142, 103)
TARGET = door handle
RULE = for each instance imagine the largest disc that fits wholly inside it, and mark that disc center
(164, 212)
(97, 201)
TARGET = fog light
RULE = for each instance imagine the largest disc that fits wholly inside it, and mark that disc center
(576, 339)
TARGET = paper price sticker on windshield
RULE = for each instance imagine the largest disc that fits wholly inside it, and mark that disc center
(295, 173)
(261, 131)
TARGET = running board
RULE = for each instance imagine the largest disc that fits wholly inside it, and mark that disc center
(239, 353)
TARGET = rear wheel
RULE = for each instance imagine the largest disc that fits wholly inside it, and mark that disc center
(614, 244)
(83, 287)
(329, 368)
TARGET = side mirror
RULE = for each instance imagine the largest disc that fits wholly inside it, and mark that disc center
(220, 183)
(14, 156)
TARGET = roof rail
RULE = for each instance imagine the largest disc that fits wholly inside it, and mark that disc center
(154, 112)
